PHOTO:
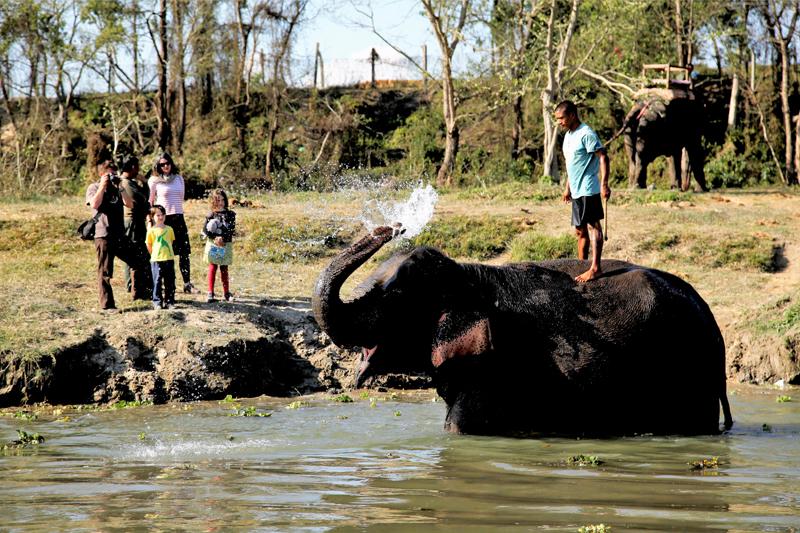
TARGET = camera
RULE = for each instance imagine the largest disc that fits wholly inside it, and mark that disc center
(114, 178)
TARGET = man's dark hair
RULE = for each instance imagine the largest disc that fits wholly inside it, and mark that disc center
(568, 107)
(105, 166)
(128, 162)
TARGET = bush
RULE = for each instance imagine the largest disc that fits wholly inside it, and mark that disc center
(531, 246)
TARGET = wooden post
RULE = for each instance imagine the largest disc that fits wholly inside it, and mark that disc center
(316, 66)
(318, 61)
(425, 66)
(373, 56)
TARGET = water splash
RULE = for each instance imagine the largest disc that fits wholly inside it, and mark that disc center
(413, 214)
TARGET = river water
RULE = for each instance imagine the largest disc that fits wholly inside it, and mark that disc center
(384, 464)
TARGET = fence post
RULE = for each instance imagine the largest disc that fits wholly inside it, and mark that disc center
(373, 56)
(425, 66)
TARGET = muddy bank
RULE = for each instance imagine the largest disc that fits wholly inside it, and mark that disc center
(250, 348)
(194, 352)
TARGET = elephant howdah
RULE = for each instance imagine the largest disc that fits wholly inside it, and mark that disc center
(523, 348)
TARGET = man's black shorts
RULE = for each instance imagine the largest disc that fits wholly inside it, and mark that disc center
(586, 210)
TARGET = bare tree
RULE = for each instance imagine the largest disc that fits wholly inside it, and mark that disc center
(780, 18)
(555, 64)
(447, 20)
(284, 30)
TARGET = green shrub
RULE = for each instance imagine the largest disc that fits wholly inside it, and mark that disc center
(421, 139)
(727, 169)
(476, 238)
(531, 246)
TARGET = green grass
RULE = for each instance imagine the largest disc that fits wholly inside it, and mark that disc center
(471, 237)
(660, 242)
(510, 191)
(739, 253)
(275, 241)
(532, 246)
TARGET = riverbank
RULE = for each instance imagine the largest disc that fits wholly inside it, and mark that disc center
(738, 248)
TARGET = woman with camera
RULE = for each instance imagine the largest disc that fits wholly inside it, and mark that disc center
(106, 200)
(167, 189)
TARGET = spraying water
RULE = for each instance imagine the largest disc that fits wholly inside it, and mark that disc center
(413, 214)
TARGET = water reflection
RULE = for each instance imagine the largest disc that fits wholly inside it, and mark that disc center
(389, 467)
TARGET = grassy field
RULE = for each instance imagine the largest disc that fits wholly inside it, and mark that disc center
(738, 248)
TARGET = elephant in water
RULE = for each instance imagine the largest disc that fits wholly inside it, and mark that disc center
(523, 349)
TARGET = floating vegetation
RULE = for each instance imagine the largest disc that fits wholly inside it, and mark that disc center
(783, 399)
(142, 435)
(342, 398)
(249, 411)
(594, 528)
(297, 404)
(703, 464)
(26, 415)
(373, 402)
(25, 439)
(364, 395)
(342, 417)
(398, 413)
(228, 399)
(125, 404)
(584, 460)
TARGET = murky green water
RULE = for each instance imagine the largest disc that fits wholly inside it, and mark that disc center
(335, 466)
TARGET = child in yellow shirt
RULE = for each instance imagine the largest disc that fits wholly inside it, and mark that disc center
(162, 258)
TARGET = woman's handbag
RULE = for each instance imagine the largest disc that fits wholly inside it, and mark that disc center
(86, 230)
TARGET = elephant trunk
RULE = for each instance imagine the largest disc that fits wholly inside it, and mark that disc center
(346, 322)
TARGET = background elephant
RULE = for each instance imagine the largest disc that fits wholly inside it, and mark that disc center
(657, 126)
(523, 348)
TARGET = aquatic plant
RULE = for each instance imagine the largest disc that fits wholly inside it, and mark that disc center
(25, 439)
(125, 404)
(249, 411)
(594, 528)
(398, 413)
(342, 398)
(702, 464)
(228, 399)
(297, 405)
(783, 399)
(25, 415)
(584, 460)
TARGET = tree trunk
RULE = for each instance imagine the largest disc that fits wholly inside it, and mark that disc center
(439, 24)
(445, 175)
(516, 132)
(178, 78)
(164, 133)
(733, 103)
(552, 92)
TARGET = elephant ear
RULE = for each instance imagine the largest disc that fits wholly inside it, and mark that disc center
(460, 334)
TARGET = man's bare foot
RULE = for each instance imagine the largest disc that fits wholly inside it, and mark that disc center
(590, 274)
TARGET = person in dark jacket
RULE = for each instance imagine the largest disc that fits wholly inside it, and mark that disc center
(106, 199)
(218, 229)
(135, 185)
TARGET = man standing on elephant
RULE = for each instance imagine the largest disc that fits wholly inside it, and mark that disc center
(586, 158)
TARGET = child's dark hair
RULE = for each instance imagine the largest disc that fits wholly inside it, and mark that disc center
(151, 215)
(217, 194)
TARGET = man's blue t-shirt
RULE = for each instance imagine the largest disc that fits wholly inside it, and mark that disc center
(582, 165)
